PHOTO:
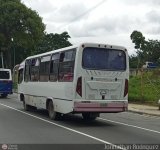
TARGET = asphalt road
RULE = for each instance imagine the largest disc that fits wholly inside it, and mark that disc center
(34, 130)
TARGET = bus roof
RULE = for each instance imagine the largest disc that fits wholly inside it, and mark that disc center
(21, 65)
(78, 45)
(4, 69)
(50, 52)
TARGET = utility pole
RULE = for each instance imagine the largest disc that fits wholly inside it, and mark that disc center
(2, 59)
(13, 51)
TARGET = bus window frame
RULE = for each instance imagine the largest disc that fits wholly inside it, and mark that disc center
(22, 75)
(38, 75)
(82, 63)
(51, 60)
(48, 68)
(29, 72)
(69, 75)
(8, 77)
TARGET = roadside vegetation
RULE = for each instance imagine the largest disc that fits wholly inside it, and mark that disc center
(145, 87)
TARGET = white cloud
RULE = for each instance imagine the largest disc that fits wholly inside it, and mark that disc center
(100, 20)
(153, 16)
(41, 6)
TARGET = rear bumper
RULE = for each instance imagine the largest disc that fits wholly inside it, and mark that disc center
(101, 107)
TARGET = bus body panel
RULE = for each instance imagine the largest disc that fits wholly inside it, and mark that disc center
(60, 93)
(107, 84)
(40, 102)
(5, 87)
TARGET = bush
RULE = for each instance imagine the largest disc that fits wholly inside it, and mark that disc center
(145, 87)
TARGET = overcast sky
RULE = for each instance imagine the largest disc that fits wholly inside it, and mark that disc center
(103, 21)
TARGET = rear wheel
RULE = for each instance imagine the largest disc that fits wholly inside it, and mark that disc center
(33, 107)
(52, 113)
(90, 116)
(26, 106)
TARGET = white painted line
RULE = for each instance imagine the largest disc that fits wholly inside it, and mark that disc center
(61, 126)
(129, 125)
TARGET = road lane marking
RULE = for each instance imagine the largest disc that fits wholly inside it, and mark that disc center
(67, 128)
(150, 116)
(129, 125)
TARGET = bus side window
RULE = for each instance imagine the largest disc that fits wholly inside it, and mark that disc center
(4, 75)
(66, 67)
(20, 76)
(54, 67)
(62, 57)
(27, 71)
(35, 69)
(44, 68)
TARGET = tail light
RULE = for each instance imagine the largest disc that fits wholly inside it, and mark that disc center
(79, 86)
(126, 87)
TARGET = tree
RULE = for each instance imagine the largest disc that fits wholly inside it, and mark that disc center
(146, 50)
(19, 27)
(140, 44)
(138, 39)
(133, 61)
(153, 51)
(53, 41)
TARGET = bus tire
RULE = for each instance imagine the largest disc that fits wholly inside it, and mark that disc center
(26, 106)
(53, 115)
(4, 95)
(90, 116)
(34, 107)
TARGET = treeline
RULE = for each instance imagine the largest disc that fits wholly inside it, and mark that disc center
(146, 50)
(22, 33)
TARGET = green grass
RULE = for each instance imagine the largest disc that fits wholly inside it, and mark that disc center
(145, 88)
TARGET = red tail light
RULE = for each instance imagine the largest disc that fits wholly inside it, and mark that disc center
(79, 86)
(126, 87)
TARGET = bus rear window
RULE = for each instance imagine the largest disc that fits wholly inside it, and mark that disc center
(103, 59)
(4, 75)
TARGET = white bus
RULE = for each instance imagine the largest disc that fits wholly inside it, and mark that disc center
(89, 79)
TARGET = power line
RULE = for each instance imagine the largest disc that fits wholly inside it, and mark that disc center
(83, 14)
